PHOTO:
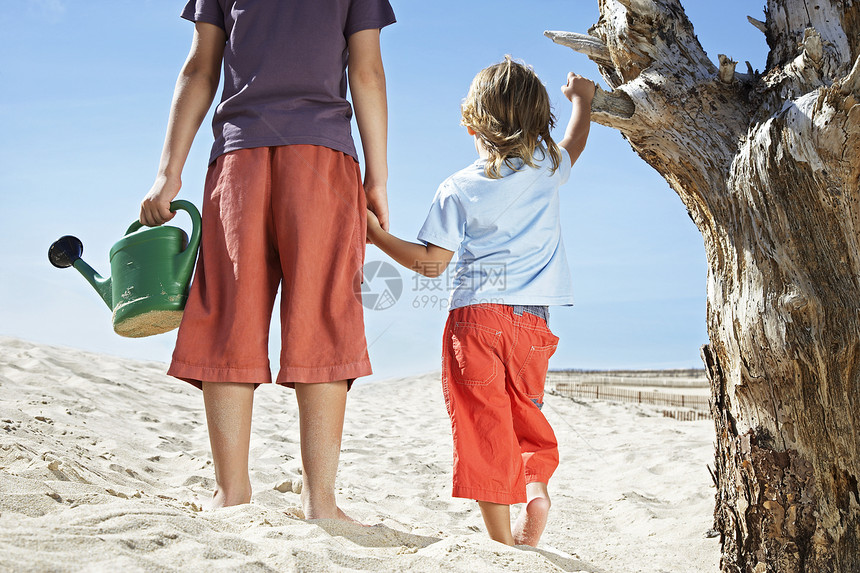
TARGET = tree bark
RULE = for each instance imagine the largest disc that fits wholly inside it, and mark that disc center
(768, 165)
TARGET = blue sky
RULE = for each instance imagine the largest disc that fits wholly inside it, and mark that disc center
(85, 108)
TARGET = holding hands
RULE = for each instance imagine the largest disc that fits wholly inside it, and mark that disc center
(374, 227)
(377, 205)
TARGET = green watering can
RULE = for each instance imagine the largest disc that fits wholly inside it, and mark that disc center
(150, 271)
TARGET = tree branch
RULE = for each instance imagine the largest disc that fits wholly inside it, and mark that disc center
(812, 45)
(758, 24)
(583, 44)
(849, 84)
(615, 103)
(816, 33)
(727, 69)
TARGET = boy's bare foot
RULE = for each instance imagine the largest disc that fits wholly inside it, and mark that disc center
(220, 498)
(344, 517)
(532, 520)
(338, 516)
(323, 509)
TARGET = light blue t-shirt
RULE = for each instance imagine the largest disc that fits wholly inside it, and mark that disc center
(506, 233)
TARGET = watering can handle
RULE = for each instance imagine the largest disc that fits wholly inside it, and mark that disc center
(174, 206)
(185, 259)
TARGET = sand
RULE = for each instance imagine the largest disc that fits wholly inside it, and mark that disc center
(148, 323)
(104, 466)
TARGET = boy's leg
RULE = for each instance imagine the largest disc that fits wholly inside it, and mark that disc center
(224, 332)
(487, 461)
(322, 407)
(228, 416)
(540, 458)
(538, 443)
(532, 520)
(497, 520)
(488, 465)
(320, 217)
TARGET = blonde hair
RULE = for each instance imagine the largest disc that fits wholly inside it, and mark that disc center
(509, 109)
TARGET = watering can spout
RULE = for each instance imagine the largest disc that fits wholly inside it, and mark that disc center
(102, 285)
(66, 252)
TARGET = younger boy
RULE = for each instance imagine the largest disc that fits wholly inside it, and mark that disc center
(501, 215)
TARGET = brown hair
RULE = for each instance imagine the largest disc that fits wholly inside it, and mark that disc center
(508, 108)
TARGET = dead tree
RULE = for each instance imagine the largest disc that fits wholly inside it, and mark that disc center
(768, 165)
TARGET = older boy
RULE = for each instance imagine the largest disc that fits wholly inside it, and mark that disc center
(283, 204)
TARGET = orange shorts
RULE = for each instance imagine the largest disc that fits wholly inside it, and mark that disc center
(292, 216)
(494, 366)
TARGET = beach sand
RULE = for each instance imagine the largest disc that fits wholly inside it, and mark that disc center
(104, 466)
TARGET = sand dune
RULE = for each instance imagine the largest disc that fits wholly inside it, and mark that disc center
(104, 466)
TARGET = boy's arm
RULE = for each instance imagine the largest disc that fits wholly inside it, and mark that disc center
(194, 92)
(428, 260)
(367, 86)
(580, 92)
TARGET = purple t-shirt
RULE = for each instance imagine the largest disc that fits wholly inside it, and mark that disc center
(285, 69)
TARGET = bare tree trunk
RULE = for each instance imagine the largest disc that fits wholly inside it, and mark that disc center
(769, 167)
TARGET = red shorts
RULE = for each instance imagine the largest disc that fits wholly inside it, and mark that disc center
(494, 366)
(292, 216)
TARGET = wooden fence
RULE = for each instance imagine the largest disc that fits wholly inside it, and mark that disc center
(657, 378)
(687, 415)
(694, 407)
